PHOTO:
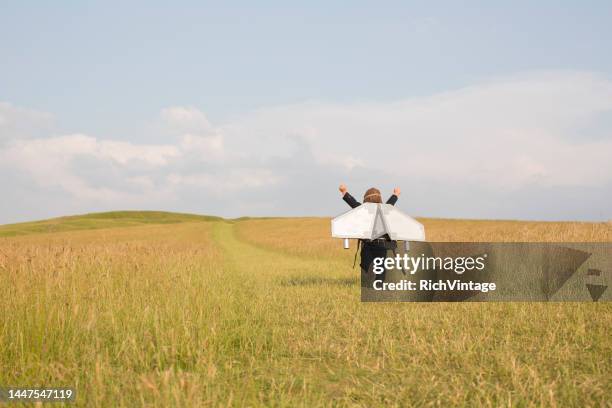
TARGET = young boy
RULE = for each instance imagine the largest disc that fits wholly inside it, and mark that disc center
(376, 248)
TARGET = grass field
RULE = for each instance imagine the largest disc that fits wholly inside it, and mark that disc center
(161, 309)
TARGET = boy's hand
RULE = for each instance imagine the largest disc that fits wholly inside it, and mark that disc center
(343, 189)
(397, 191)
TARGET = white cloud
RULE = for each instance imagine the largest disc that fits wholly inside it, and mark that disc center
(229, 181)
(124, 152)
(207, 147)
(55, 151)
(49, 163)
(508, 133)
(527, 133)
(186, 118)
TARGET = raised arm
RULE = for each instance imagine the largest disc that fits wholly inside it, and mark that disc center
(349, 199)
(393, 199)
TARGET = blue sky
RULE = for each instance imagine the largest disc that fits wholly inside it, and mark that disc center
(109, 70)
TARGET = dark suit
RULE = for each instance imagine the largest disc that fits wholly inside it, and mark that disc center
(350, 200)
(372, 249)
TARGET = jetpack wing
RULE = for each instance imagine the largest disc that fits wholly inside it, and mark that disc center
(362, 222)
(401, 226)
(371, 221)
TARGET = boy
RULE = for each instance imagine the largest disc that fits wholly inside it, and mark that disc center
(376, 248)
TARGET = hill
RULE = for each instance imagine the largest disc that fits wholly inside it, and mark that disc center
(101, 220)
(316, 229)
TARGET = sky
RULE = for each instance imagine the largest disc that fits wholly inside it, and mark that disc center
(498, 110)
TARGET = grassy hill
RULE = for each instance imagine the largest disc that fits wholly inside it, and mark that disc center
(100, 220)
(317, 228)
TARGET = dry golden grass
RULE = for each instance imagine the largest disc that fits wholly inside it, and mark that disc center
(100, 310)
(441, 230)
(314, 237)
(194, 314)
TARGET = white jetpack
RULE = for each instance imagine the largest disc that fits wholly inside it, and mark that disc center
(372, 221)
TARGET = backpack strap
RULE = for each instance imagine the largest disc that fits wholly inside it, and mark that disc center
(356, 251)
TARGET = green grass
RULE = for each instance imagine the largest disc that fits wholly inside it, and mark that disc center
(100, 220)
(197, 314)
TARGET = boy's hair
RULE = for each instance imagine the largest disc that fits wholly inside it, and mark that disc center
(372, 196)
